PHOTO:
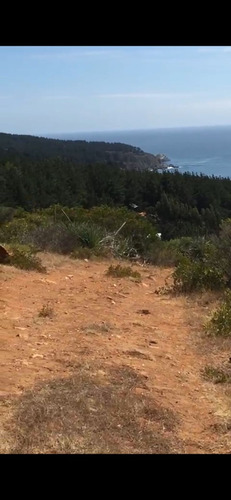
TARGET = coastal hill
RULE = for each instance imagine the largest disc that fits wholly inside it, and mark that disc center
(125, 156)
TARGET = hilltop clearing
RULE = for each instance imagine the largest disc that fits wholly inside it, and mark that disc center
(92, 363)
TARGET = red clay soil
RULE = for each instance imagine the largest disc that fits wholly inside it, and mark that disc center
(75, 313)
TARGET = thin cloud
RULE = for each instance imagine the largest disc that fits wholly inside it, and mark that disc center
(75, 53)
(148, 95)
(57, 97)
(214, 50)
(214, 104)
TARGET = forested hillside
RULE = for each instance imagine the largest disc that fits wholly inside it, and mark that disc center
(180, 205)
(37, 172)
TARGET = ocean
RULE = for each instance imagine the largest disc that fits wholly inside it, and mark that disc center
(201, 150)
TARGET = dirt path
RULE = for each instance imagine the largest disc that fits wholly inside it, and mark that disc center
(95, 318)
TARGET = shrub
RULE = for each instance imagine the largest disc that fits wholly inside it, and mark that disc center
(220, 323)
(19, 229)
(192, 276)
(164, 253)
(198, 267)
(223, 244)
(55, 237)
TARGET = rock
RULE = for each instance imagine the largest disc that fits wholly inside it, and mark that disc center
(152, 342)
(37, 356)
(4, 255)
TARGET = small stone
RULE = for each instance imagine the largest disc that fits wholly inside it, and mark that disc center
(139, 390)
(37, 356)
(101, 372)
(143, 311)
(24, 336)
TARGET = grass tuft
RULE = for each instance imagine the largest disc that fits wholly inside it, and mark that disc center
(123, 272)
(46, 311)
(216, 375)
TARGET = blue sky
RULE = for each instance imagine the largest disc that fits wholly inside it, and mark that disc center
(61, 89)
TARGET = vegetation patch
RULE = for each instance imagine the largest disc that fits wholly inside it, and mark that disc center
(23, 257)
(88, 413)
(220, 322)
(123, 272)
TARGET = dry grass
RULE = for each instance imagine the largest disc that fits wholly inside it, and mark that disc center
(91, 412)
(217, 375)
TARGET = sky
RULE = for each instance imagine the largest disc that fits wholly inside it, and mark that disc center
(67, 89)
